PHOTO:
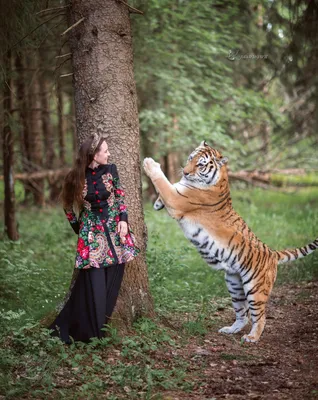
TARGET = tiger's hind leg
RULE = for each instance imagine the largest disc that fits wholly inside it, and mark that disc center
(257, 292)
(257, 304)
(240, 305)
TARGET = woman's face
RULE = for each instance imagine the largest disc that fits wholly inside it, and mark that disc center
(101, 157)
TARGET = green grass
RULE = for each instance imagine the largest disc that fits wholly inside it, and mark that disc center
(35, 273)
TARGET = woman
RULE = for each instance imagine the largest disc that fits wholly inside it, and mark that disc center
(104, 244)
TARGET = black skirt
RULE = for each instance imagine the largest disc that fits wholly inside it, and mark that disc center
(91, 302)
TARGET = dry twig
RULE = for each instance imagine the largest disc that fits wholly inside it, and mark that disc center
(73, 26)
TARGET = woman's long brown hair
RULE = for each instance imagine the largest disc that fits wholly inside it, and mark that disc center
(75, 179)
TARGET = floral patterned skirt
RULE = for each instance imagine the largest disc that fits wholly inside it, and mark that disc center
(89, 304)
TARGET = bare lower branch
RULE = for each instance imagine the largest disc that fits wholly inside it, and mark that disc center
(64, 55)
(73, 26)
(33, 30)
(47, 10)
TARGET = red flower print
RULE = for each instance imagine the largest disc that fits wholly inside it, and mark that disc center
(117, 218)
(80, 245)
(69, 216)
(122, 208)
(129, 242)
(84, 253)
(110, 253)
(120, 192)
(100, 228)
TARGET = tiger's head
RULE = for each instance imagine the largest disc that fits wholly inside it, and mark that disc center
(203, 169)
(204, 166)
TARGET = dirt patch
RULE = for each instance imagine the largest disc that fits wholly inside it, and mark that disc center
(283, 365)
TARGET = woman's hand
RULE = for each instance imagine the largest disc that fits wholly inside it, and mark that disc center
(122, 229)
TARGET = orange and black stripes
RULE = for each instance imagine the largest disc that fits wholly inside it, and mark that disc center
(203, 207)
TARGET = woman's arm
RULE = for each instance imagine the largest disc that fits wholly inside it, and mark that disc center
(119, 195)
(71, 216)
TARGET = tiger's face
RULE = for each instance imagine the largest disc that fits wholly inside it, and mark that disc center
(204, 165)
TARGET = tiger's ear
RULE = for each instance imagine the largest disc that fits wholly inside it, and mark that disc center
(222, 161)
(203, 144)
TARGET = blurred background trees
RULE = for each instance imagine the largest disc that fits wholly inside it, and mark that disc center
(240, 75)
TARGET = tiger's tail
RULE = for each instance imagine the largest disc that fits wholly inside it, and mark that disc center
(299, 252)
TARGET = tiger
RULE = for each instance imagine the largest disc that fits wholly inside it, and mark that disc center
(201, 203)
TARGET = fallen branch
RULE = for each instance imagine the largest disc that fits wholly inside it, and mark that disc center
(262, 178)
(257, 178)
(50, 174)
(244, 176)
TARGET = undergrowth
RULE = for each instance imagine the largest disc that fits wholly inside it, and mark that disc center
(35, 273)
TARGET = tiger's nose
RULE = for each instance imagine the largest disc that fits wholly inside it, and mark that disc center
(185, 173)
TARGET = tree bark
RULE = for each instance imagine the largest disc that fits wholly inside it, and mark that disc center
(48, 133)
(61, 125)
(35, 138)
(148, 151)
(10, 223)
(173, 166)
(73, 129)
(106, 101)
(24, 132)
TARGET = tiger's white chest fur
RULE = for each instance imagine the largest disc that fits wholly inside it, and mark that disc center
(210, 249)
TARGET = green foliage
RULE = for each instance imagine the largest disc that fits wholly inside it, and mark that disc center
(186, 83)
(37, 269)
(197, 327)
(18, 20)
(190, 90)
(148, 338)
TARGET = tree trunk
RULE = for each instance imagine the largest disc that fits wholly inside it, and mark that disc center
(106, 101)
(24, 132)
(61, 125)
(8, 162)
(148, 151)
(47, 128)
(35, 138)
(173, 167)
(173, 157)
(73, 129)
(48, 133)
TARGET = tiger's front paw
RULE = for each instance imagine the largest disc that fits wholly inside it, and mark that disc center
(152, 168)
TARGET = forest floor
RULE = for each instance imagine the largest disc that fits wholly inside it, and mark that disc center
(282, 365)
(178, 355)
